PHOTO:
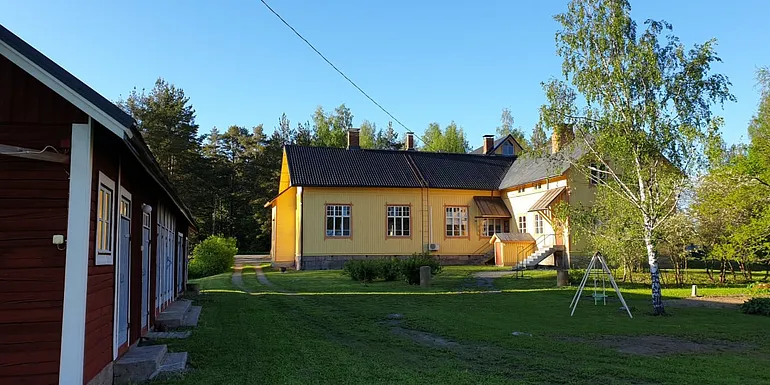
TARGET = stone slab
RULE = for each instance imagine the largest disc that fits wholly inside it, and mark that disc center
(168, 335)
(173, 316)
(192, 316)
(139, 364)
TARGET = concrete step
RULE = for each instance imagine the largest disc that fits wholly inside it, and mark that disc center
(191, 318)
(168, 335)
(173, 316)
(173, 364)
(139, 364)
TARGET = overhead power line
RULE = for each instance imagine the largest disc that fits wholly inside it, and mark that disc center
(339, 71)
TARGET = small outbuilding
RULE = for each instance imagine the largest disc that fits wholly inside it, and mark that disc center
(512, 248)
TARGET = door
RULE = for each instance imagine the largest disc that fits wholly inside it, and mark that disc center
(273, 234)
(499, 253)
(179, 261)
(145, 270)
(124, 261)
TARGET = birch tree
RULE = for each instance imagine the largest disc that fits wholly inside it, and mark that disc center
(645, 118)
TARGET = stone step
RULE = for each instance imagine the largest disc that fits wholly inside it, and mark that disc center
(191, 318)
(173, 364)
(168, 335)
(139, 364)
(173, 316)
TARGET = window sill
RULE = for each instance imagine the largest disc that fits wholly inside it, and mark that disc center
(103, 260)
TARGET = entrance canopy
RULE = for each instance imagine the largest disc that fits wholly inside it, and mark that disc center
(545, 201)
(491, 207)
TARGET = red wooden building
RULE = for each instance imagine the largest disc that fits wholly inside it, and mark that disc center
(93, 238)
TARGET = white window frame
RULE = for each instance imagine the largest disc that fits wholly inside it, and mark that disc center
(497, 225)
(597, 174)
(396, 213)
(338, 212)
(522, 190)
(105, 256)
(538, 186)
(538, 224)
(508, 145)
(457, 218)
(522, 224)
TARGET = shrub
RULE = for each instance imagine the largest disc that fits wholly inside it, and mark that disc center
(576, 276)
(410, 268)
(759, 288)
(362, 270)
(760, 306)
(215, 255)
(390, 269)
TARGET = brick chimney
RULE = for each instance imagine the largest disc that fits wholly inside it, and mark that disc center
(353, 139)
(489, 143)
(409, 141)
(561, 137)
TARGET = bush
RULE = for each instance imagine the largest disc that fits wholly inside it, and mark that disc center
(760, 306)
(215, 255)
(759, 288)
(410, 268)
(576, 276)
(368, 270)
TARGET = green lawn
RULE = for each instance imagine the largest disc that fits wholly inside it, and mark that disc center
(336, 334)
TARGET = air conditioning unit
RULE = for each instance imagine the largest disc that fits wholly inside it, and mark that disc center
(433, 246)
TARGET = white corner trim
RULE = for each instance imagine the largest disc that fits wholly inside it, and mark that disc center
(102, 258)
(60, 88)
(76, 264)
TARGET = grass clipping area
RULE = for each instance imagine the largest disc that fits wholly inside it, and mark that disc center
(341, 332)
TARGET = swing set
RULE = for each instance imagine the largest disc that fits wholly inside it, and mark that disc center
(598, 272)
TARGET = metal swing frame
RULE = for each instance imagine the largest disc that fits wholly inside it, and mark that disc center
(605, 271)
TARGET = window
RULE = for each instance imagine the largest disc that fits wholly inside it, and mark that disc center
(125, 208)
(598, 174)
(521, 190)
(507, 149)
(399, 221)
(523, 224)
(538, 186)
(490, 227)
(457, 221)
(337, 220)
(104, 220)
(538, 224)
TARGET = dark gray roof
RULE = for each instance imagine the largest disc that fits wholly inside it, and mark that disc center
(339, 167)
(531, 168)
(65, 77)
(136, 144)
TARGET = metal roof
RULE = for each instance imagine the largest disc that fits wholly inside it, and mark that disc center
(492, 207)
(513, 237)
(339, 167)
(545, 201)
(531, 168)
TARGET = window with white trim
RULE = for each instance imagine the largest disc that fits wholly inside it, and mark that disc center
(337, 220)
(507, 149)
(538, 224)
(522, 224)
(490, 227)
(521, 190)
(104, 220)
(399, 221)
(538, 186)
(456, 221)
(598, 174)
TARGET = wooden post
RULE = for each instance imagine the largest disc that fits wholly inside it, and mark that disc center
(424, 276)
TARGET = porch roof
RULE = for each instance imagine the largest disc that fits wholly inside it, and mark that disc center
(492, 207)
(512, 237)
(545, 201)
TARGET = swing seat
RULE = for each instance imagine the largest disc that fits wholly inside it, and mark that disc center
(599, 297)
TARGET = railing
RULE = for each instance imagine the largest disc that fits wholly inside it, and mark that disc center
(541, 242)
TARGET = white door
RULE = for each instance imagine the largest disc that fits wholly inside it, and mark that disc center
(145, 268)
(123, 270)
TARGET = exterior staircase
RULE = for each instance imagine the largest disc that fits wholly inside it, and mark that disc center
(538, 256)
(144, 363)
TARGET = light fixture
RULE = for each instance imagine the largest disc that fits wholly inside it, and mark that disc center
(147, 209)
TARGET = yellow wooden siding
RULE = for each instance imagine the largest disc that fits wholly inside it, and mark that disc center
(515, 252)
(582, 193)
(369, 221)
(284, 181)
(298, 223)
(520, 203)
(517, 150)
(285, 239)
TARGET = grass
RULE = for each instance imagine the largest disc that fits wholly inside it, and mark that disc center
(337, 336)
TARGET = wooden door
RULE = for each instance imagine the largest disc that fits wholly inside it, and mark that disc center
(145, 270)
(123, 271)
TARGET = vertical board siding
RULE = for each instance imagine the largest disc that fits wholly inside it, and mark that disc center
(286, 209)
(369, 221)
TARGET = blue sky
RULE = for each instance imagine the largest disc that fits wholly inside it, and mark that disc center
(424, 61)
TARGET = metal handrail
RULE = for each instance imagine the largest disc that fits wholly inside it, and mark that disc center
(541, 240)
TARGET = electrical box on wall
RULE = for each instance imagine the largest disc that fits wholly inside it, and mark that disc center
(58, 239)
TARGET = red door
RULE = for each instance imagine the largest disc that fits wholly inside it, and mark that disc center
(499, 253)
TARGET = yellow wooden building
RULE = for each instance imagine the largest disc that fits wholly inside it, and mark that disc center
(337, 204)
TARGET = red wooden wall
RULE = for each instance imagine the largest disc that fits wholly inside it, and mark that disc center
(33, 207)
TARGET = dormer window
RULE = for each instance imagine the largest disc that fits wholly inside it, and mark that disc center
(507, 149)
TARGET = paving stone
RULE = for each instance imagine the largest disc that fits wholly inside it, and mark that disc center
(139, 364)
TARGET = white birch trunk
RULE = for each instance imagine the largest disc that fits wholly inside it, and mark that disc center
(652, 259)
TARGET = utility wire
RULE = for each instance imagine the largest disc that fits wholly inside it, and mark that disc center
(339, 71)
